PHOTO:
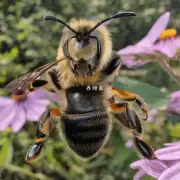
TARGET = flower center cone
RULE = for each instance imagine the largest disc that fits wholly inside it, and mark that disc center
(168, 33)
(19, 95)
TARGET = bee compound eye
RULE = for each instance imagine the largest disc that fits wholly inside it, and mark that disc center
(89, 66)
(86, 36)
(78, 37)
(75, 66)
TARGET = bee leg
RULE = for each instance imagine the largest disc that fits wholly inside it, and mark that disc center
(131, 97)
(43, 128)
(146, 150)
(112, 66)
(126, 116)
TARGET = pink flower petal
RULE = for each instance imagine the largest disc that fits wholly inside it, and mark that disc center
(154, 33)
(132, 50)
(7, 115)
(152, 167)
(172, 173)
(178, 41)
(42, 102)
(168, 153)
(170, 163)
(139, 174)
(130, 62)
(174, 105)
(4, 101)
(19, 119)
(38, 94)
(151, 114)
(137, 164)
(52, 97)
(32, 115)
(172, 143)
(39, 108)
(167, 47)
(34, 111)
(175, 96)
(41, 94)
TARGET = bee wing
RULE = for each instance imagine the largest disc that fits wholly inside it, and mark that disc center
(24, 81)
(21, 82)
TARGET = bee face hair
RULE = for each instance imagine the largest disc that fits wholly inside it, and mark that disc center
(87, 43)
(88, 49)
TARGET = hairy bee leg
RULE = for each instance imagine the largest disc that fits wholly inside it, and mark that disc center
(42, 131)
(146, 150)
(112, 65)
(130, 97)
(125, 114)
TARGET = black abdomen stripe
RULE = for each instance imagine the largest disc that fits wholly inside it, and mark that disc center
(86, 133)
(81, 101)
(88, 136)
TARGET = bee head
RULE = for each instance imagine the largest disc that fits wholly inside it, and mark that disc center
(84, 48)
(87, 44)
(80, 45)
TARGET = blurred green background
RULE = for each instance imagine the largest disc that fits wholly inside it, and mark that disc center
(26, 42)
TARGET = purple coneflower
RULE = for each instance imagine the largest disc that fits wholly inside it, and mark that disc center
(158, 40)
(174, 103)
(151, 114)
(165, 167)
(21, 107)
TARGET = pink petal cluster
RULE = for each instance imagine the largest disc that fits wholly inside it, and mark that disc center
(129, 143)
(151, 44)
(152, 113)
(174, 103)
(165, 167)
(15, 113)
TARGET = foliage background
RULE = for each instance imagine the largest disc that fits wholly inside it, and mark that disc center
(27, 42)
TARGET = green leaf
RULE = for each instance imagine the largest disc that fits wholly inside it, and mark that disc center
(174, 130)
(24, 171)
(6, 152)
(50, 156)
(13, 53)
(22, 35)
(2, 79)
(152, 95)
(2, 141)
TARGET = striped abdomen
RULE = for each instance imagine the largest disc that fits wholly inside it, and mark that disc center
(85, 122)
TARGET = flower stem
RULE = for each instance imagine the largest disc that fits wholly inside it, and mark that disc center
(24, 171)
(165, 65)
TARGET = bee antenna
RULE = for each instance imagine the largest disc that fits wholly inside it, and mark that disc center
(46, 18)
(118, 15)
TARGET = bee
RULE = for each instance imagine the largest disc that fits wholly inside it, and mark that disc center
(82, 76)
